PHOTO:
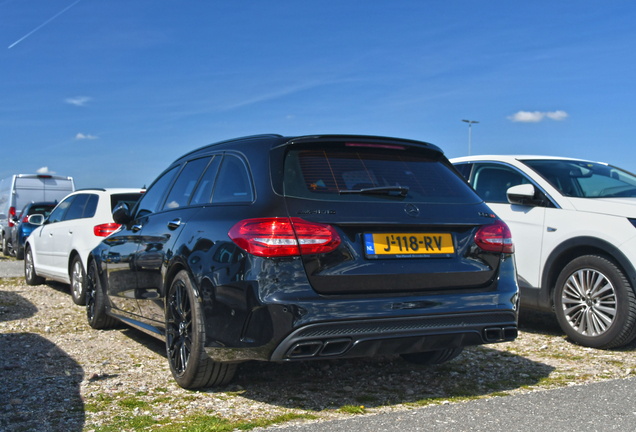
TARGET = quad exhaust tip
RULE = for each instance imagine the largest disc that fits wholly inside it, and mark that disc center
(328, 348)
(500, 334)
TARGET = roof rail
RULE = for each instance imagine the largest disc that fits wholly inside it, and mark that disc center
(248, 137)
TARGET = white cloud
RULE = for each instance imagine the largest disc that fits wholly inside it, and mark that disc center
(78, 101)
(557, 115)
(45, 170)
(537, 116)
(81, 136)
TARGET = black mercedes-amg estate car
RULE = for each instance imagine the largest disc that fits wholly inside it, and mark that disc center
(314, 247)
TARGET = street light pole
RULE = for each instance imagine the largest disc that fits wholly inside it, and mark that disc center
(470, 124)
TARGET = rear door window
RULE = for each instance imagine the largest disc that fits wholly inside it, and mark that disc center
(182, 189)
(372, 174)
(203, 193)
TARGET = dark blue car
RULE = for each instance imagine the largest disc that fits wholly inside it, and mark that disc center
(281, 249)
(23, 228)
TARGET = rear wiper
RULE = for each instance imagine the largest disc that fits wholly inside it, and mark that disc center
(380, 190)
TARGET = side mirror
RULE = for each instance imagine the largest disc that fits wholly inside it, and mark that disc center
(121, 214)
(36, 219)
(521, 194)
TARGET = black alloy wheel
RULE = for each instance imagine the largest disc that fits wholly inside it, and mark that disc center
(185, 337)
(95, 302)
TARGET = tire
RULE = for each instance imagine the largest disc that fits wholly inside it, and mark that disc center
(432, 357)
(185, 337)
(603, 315)
(19, 253)
(95, 301)
(5, 246)
(78, 279)
(30, 275)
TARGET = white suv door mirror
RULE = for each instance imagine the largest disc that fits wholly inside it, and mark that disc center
(521, 194)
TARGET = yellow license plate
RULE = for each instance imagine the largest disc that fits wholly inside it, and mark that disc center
(408, 245)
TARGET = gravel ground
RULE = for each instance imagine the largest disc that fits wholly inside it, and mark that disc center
(56, 373)
(10, 267)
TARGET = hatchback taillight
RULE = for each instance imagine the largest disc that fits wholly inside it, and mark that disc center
(104, 230)
(280, 237)
(11, 216)
(495, 238)
(25, 219)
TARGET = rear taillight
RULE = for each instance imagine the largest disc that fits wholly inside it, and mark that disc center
(495, 238)
(25, 219)
(11, 216)
(280, 237)
(104, 230)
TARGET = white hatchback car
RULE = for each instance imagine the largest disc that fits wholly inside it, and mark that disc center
(58, 249)
(574, 228)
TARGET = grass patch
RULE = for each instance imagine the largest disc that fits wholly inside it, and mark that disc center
(132, 403)
(352, 409)
(196, 423)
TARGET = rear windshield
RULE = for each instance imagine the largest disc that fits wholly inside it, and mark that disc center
(128, 198)
(41, 210)
(343, 174)
(583, 179)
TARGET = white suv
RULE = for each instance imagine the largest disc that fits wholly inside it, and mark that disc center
(574, 229)
(58, 249)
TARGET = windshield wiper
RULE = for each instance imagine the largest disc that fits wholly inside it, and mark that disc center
(380, 190)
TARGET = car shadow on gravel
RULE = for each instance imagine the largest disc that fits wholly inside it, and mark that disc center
(15, 307)
(334, 384)
(532, 321)
(39, 382)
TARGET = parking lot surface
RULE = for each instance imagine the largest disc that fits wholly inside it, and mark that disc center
(11, 268)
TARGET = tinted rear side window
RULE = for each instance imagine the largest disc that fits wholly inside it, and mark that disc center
(91, 206)
(324, 173)
(77, 208)
(233, 183)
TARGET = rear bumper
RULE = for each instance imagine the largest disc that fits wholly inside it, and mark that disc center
(395, 336)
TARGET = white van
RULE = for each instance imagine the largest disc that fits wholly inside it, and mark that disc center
(21, 189)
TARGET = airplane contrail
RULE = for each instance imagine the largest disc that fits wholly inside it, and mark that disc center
(43, 24)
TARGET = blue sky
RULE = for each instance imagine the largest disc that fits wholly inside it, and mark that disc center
(111, 92)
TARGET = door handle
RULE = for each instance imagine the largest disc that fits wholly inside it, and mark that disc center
(70, 232)
(136, 228)
(174, 224)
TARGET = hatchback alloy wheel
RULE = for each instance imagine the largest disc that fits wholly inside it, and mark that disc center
(77, 279)
(179, 332)
(589, 302)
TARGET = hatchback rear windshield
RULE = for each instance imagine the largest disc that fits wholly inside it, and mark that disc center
(128, 198)
(371, 174)
(41, 210)
(582, 179)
